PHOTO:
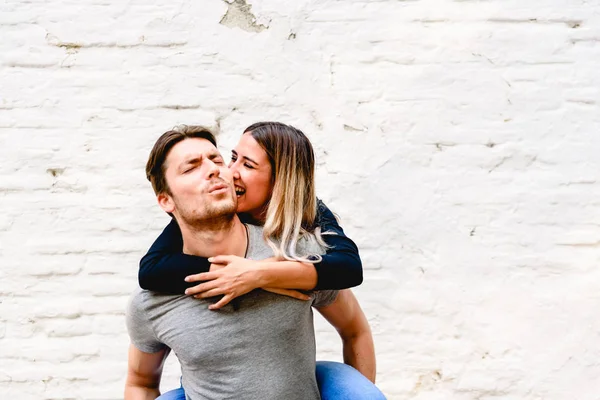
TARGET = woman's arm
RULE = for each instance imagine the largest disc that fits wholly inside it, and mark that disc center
(164, 268)
(340, 267)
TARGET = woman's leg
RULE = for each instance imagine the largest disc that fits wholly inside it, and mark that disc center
(176, 394)
(339, 381)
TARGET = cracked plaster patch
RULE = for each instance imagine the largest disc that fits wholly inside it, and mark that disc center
(239, 15)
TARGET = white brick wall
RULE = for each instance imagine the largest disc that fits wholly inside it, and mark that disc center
(458, 141)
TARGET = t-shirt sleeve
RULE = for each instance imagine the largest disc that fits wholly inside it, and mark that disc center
(324, 298)
(139, 327)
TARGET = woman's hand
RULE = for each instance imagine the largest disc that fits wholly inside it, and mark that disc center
(232, 276)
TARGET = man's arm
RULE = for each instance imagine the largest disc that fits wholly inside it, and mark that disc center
(348, 319)
(143, 374)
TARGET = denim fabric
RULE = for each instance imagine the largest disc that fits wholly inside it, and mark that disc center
(339, 381)
(175, 394)
(336, 381)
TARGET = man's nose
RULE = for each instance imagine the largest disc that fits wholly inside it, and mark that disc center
(213, 171)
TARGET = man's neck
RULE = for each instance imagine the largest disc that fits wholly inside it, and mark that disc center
(215, 237)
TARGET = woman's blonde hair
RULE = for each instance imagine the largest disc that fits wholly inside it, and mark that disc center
(292, 209)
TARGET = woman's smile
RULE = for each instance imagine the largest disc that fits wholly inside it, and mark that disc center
(252, 176)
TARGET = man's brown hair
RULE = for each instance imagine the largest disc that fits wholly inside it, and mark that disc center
(155, 171)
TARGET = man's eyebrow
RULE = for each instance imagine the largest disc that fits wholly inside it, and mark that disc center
(197, 160)
(194, 160)
(247, 158)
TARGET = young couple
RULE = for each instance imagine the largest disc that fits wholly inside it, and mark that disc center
(230, 284)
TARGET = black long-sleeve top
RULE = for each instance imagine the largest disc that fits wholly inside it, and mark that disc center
(164, 268)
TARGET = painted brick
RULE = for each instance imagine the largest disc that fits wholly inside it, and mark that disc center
(458, 142)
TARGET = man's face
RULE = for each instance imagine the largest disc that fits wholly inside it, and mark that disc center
(201, 185)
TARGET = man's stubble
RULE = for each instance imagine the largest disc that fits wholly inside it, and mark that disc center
(210, 215)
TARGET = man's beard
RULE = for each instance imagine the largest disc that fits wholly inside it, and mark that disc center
(212, 215)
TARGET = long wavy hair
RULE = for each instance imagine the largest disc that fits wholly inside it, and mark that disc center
(292, 209)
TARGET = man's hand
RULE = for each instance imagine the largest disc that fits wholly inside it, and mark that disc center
(233, 276)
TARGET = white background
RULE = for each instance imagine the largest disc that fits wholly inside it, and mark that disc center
(457, 140)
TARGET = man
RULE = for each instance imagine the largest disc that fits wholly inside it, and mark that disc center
(260, 347)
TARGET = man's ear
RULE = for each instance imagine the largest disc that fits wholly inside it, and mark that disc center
(166, 202)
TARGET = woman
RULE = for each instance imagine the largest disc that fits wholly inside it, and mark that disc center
(273, 170)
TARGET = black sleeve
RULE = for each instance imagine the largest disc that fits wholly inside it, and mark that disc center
(164, 267)
(340, 267)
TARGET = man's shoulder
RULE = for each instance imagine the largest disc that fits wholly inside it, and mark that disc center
(258, 249)
(254, 231)
(139, 324)
(145, 306)
(142, 300)
(308, 244)
(137, 300)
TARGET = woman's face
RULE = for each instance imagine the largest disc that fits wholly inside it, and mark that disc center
(252, 177)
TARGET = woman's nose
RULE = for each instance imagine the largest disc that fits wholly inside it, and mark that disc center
(234, 171)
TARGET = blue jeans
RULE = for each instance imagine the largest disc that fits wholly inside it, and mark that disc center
(175, 394)
(336, 381)
(339, 381)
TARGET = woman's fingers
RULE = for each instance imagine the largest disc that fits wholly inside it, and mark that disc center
(203, 287)
(224, 301)
(221, 259)
(289, 292)
(209, 293)
(203, 276)
(215, 267)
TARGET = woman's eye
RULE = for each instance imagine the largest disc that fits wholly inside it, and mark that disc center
(248, 166)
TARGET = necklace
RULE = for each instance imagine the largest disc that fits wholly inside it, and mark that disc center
(247, 241)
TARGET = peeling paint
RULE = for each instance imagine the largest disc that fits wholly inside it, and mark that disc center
(238, 15)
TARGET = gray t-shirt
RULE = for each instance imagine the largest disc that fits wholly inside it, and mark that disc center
(262, 348)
